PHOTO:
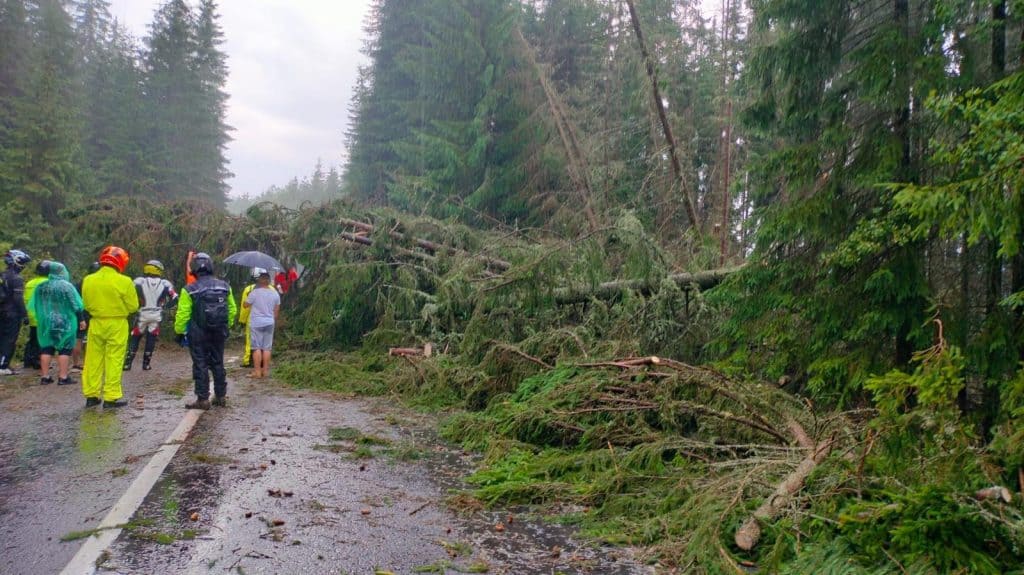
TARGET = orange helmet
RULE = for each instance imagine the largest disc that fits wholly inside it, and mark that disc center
(114, 256)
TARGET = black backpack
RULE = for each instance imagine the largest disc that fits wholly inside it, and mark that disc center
(210, 304)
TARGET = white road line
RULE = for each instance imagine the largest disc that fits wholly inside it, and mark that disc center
(84, 562)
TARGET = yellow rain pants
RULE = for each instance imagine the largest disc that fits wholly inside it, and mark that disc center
(109, 298)
(243, 318)
(104, 358)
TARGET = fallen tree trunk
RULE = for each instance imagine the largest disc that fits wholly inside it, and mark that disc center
(749, 533)
(432, 247)
(425, 351)
(703, 280)
(365, 241)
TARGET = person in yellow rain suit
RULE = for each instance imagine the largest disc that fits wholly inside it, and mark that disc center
(109, 297)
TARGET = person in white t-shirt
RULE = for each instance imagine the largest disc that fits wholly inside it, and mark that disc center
(264, 304)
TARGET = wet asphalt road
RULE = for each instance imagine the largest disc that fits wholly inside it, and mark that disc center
(63, 466)
(279, 482)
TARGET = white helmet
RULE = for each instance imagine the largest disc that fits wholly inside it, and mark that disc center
(257, 272)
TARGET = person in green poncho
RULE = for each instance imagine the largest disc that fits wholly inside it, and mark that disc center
(59, 311)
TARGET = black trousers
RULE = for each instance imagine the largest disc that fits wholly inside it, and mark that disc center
(32, 349)
(133, 348)
(9, 328)
(207, 349)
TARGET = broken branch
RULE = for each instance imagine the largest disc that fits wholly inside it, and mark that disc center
(749, 533)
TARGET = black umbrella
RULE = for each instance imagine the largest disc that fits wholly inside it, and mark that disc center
(254, 260)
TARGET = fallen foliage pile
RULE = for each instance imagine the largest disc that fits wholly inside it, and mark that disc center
(564, 383)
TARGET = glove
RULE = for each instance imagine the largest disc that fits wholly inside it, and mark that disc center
(182, 339)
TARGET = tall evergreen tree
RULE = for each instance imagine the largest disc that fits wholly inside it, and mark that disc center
(186, 72)
(843, 289)
(172, 90)
(15, 52)
(214, 133)
(46, 140)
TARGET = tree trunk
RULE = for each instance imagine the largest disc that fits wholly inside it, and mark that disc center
(666, 127)
(703, 280)
(727, 169)
(500, 265)
(578, 170)
(749, 533)
(998, 39)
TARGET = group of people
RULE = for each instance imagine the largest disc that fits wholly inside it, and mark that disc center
(63, 319)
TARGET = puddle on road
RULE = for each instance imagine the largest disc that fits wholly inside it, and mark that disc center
(283, 482)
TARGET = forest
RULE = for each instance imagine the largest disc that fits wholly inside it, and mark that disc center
(739, 283)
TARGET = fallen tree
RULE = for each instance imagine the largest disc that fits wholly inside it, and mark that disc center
(430, 246)
(749, 533)
(702, 280)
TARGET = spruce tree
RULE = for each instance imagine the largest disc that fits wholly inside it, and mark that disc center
(15, 52)
(45, 144)
(171, 87)
(840, 289)
(186, 103)
(212, 69)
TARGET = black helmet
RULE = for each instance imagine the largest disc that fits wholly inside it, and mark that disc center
(43, 268)
(16, 259)
(94, 267)
(202, 264)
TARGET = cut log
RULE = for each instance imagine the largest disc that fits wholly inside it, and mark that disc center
(627, 363)
(405, 351)
(749, 533)
(994, 493)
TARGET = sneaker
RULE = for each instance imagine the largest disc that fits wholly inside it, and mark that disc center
(76, 368)
(65, 381)
(146, 367)
(92, 401)
(220, 401)
(8, 371)
(127, 367)
(45, 380)
(114, 404)
(198, 404)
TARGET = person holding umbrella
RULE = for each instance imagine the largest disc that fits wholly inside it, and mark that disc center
(205, 310)
(265, 304)
(243, 316)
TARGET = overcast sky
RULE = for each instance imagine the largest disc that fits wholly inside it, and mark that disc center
(292, 66)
